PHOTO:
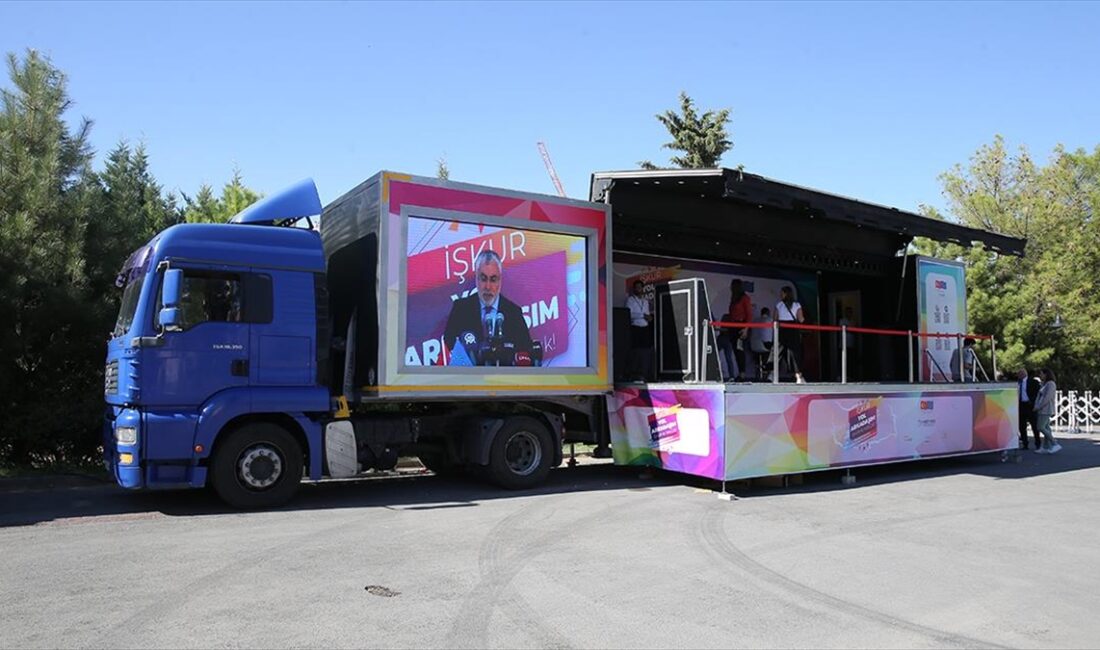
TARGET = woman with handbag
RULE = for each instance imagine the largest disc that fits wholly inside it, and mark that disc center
(788, 310)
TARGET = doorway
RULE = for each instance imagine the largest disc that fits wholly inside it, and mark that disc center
(845, 308)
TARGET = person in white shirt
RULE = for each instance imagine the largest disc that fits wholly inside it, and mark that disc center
(760, 343)
(641, 333)
(788, 310)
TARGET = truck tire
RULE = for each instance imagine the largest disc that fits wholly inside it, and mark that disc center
(258, 466)
(521, 454)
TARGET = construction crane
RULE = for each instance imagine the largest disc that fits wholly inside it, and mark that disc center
(550, 169)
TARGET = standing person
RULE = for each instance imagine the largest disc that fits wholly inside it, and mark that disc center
(641, 333)
(760, 343)
(788, 310)
(1029, 392)
(968, 357)
(740, 312)
(1044, 409)
(726, 347)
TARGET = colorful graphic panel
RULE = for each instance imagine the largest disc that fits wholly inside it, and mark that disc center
(675, 429)
(941, 309)
(467, 282)
(785, 433)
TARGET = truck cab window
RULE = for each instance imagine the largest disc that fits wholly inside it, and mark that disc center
(206, 298)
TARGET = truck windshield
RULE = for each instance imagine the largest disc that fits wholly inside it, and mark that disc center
(129, 305)
(132, 276)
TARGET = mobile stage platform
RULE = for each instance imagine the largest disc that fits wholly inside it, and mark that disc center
(883, 325)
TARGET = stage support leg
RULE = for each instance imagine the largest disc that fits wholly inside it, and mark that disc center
(726, 496)
(910, 341)
(572, 454)
(775, 352)
(603, 433)
(848, 478)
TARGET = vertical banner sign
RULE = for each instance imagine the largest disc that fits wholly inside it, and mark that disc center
(941, 309)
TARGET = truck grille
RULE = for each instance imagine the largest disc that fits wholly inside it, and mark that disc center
(110, 378)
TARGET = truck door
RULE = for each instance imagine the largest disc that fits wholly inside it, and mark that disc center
(284, 326)
(210, 352)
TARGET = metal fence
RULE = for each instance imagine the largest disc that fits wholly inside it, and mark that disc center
(1077, 411)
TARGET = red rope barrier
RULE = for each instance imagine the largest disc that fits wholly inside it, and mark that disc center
(851, 330)
(808, 327)
(757, 326)
(873, 330)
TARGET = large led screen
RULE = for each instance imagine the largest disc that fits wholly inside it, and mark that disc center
(480, 295)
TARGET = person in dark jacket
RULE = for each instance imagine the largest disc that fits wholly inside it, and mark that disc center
(1029, 392)
(487, 317)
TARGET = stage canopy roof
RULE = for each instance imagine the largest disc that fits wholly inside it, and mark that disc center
(730, 215)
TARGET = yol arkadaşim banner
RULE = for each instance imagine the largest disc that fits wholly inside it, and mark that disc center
(525, 305)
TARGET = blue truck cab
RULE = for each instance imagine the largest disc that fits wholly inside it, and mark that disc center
(216, 368)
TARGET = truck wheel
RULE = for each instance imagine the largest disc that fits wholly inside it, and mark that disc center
(259, 466)
(521, 454)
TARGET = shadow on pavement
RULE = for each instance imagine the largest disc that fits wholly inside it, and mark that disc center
(427, 492)
(23, 507)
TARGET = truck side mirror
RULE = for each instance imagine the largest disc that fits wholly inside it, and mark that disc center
(169, 317)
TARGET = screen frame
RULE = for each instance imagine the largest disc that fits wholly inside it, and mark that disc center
(591, 283)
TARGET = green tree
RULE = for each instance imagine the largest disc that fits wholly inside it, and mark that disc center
(208, 208)
(64, 232)
(1041, 307)
(703, 139)
(45, 203)
(130, 208)
(442, 171)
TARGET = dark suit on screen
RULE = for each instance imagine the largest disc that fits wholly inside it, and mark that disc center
(466, 316)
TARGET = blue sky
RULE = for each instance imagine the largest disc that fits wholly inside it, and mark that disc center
(863, 99)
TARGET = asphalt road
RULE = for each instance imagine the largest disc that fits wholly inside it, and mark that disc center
(953, 553)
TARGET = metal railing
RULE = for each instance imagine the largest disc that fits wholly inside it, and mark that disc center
(1077, 411)
(911, 336)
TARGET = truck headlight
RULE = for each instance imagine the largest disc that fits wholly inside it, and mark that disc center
(126, 435)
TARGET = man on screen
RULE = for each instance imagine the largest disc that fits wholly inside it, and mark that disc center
(489, 328)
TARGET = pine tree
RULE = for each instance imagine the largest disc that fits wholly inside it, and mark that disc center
(208, 208)
(131, 207)
(702, 138)
(45, 182)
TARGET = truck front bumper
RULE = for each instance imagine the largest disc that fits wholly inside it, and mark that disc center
(123, 461)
